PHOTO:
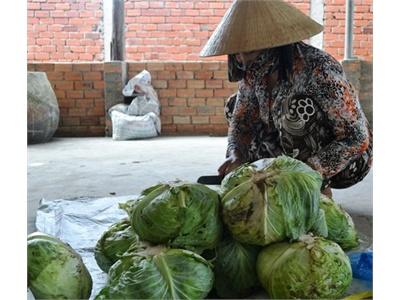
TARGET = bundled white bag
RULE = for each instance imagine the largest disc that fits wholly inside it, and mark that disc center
(143, 105)
(138, 84)
(121, 107)
(146, 99)
(126, 127)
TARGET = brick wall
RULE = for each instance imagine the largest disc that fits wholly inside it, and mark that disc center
(191, 91)
(65, 30)
(79, 88)
(334, 22)
(192, 95)
(175, 30)
(71, 30)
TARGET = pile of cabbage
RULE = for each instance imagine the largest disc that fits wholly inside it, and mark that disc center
(268, 227)
(157, 252)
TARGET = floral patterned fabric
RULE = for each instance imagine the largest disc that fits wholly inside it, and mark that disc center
(314, 116)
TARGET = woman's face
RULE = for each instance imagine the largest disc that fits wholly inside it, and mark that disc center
(247, 58)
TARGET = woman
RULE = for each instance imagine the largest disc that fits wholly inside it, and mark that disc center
(293, 99)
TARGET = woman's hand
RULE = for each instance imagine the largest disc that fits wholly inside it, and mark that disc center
(230, 164)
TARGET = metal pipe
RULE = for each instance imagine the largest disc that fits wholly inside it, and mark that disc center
(348, 44)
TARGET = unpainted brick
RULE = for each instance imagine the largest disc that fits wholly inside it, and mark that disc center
(46, 67)
(84, 103)
(218, 120)
(94, 93)
(83, 85)
(203, 75)
(70, 121)
(184, 74)
(92, 75)
(192, 66)
(79, 112)
(96, 111)
(181, 120)
(187, 111)
(81, 67)
(214, 84)
(215, 101)
(197, 84)
(206, 110)
(168, 129)
(92, 120)
(194, 102)
(74, 94)
(73, 76)
(180, 83)
(204, 93)
(159, 84)
(166, 120)
(200, 120)
(167, 93)
(155, 67)
(185, 92)
(66, 103)
(55, 76)
(169, 111)
(177, 102)
(63, 85)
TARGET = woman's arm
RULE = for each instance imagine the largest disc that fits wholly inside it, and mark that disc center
(240, 133)
(338, 100)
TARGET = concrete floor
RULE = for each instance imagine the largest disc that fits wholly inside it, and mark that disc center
(74, 167)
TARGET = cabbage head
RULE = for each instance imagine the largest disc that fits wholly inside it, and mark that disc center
(181, 215)
(159, 273)
(55, 270)
(270, 200)
(341, 228)
(235, 269)
(313, 268)
(113, 243)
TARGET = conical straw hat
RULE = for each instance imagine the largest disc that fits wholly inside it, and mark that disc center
(250, 25)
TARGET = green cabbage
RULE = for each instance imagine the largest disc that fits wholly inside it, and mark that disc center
(341, 228)
(235, 269)
(113, 243)
(159, 273)
(313, 268)
(55, 270)
(182, 215)
(271, 200)
(320, 227)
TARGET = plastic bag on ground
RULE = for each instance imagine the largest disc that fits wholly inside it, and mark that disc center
(127, 127)
(361, 263)
(146, 99)
(137, 85)
(143, 105)
(121, 107)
